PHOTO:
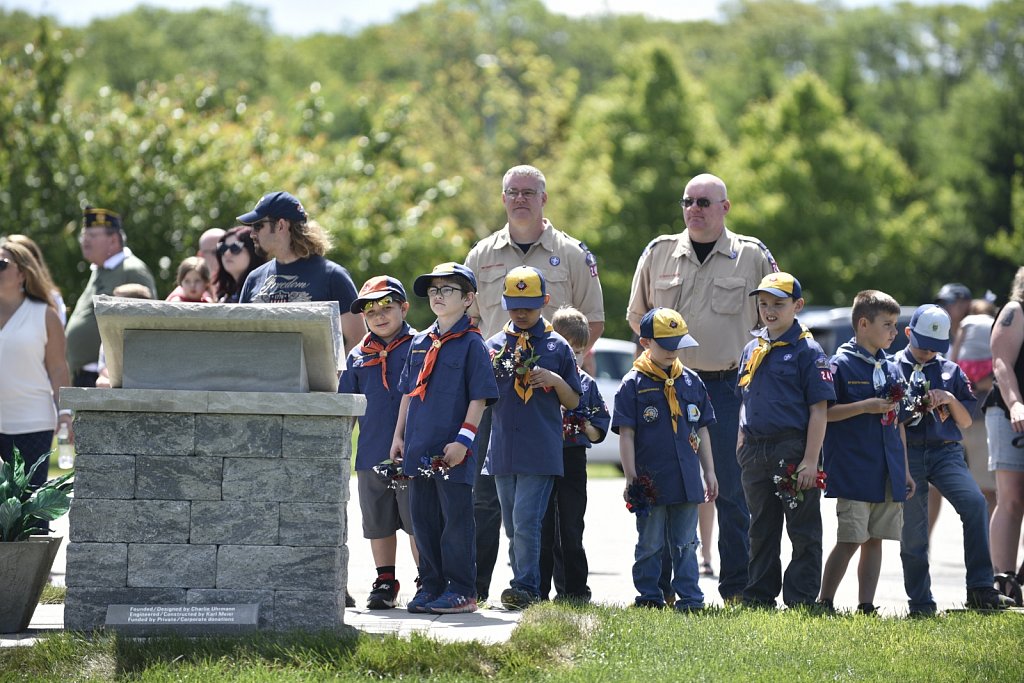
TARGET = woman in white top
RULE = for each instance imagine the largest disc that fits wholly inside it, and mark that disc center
(58, 300)
(32, 363)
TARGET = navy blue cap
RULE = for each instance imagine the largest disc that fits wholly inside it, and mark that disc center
(275, 205)
(448, 269)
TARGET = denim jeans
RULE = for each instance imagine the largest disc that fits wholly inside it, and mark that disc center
(442, 523)
(802, 579)
(486, 511)
(675, 525)
(944, 467)
(524, 499)
(731, 504)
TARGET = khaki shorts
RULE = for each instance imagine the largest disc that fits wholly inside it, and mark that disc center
(860, 521)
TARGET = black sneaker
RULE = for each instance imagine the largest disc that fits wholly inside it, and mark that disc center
(515, 599)
(867, 608)
(987, 599)
(384, 594)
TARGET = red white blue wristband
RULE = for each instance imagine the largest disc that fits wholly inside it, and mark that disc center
(466, 435)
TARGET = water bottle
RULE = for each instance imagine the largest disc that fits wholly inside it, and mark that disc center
(65, 451)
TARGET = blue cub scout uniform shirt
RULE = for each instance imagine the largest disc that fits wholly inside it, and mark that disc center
(377, 426)
(941, 374)
(526, 438)
(863, 456)
(789, 380)
(667, 457)
(461, 374)
(592, 408)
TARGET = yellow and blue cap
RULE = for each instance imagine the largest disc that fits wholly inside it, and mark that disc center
(524, 288)
(667, 328)
(447, 269)
(779, 284)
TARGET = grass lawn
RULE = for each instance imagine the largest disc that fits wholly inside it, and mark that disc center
(563, 643)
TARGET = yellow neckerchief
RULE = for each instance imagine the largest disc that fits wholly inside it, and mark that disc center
(758, 354)
(648, 367)
(523, 351)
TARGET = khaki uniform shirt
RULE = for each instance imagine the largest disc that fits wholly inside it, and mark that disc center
(569, 269)
(713, 297)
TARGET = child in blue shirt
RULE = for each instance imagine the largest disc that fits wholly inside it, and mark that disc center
(561, 542)
(785, 384)
(865, 451)
(943, 400)
(447, 381)
(373, 369)
(662, 413)
(537, 377)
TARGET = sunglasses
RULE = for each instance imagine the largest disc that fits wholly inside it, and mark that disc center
(383, 302)
(702, 202)
(3, 264)
(235, 248)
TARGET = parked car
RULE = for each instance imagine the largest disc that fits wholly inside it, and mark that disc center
(831, 327)
(608, 362)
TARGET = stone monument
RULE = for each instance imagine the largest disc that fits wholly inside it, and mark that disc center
(215, 470)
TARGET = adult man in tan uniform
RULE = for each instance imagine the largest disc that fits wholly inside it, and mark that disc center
(570, 271)
(706, 273)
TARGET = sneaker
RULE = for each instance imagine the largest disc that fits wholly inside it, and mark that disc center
(688, 609)
(418, 605)
(1007, 584)
(648, 604)
(452, 603)
(922, 612)
(987, 598)
(867, 608)
(825, 605)
(515, 599)
(384, 594)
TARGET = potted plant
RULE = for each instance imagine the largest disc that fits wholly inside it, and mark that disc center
(25, 560)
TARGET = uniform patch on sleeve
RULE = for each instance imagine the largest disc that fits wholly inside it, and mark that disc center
(591, 260)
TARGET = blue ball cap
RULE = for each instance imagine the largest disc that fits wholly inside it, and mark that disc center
(275, 205)
(420, 284)
(929, 328)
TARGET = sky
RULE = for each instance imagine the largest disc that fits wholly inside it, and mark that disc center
(301, 17)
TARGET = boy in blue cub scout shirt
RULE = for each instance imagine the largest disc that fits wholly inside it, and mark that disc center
(785, 385)
(537, 377)
(561, 551)
(374, 369)
(446, 382)
(942, 401)
(662, 412)
(865, 451)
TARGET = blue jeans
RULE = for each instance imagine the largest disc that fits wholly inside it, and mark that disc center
(442, 523)
(524, 500)
(733, 515)
(676, 524)
(945, 467)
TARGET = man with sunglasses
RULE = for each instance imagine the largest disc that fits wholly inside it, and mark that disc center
(705, 273)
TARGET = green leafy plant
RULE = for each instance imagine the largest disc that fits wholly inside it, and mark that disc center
(22, 504)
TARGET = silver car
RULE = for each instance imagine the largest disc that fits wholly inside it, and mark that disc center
(608, 362)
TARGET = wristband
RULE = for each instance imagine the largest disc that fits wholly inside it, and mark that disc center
(65, 411)
(466, 435)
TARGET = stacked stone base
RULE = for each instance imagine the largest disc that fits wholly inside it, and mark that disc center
(196, 497)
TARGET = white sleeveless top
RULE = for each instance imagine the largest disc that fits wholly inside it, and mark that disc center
(26, 397)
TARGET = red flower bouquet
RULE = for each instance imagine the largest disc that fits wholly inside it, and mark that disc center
(641, 494)
(785, 484)
(894, 392)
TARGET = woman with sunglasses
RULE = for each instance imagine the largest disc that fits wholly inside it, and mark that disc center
(32, 363)
(237, 257)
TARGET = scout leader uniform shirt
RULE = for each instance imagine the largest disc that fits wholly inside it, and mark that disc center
(941, 374)
(789, 380)
(711, 296)
(526, 435)
(461, 374)
(365, 371)
(591, 408)
(863, 457)
(664, 454)
(569, 269)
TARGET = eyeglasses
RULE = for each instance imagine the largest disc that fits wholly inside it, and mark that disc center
(525, 194)
(445, 291)
(383, 302)
(3, 264)
(702, 202)
(235, 248)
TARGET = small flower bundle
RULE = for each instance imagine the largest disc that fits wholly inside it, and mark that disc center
(391, 472)
(433, 465)
(508, 363)
(574, 422)
(894, 392)
(641, 494)
(785, 484)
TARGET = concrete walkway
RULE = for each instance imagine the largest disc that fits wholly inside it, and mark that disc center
(609, 538)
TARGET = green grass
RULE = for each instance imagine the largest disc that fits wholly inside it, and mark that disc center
(565, 643)
(52, 595)
(603, 470)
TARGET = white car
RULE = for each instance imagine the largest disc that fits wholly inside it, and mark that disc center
(608, 362)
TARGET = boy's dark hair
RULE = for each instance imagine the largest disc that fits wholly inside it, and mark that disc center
(572, 325)
(455, 279)
(870, 303)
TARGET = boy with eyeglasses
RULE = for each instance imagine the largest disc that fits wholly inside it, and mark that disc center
(374, 369)
(537, 378)
(446, 383)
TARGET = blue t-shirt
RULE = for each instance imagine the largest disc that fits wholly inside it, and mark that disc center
(461, 374)
(377, 426)
(666, 456)
(862, 455)
(790, 379)
(526, 438)
(592, 408)
(940, 374)
(309, 279)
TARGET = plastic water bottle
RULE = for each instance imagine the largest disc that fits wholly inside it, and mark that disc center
(65, 451)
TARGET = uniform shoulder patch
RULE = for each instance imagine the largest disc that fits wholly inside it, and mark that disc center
(589, 257)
